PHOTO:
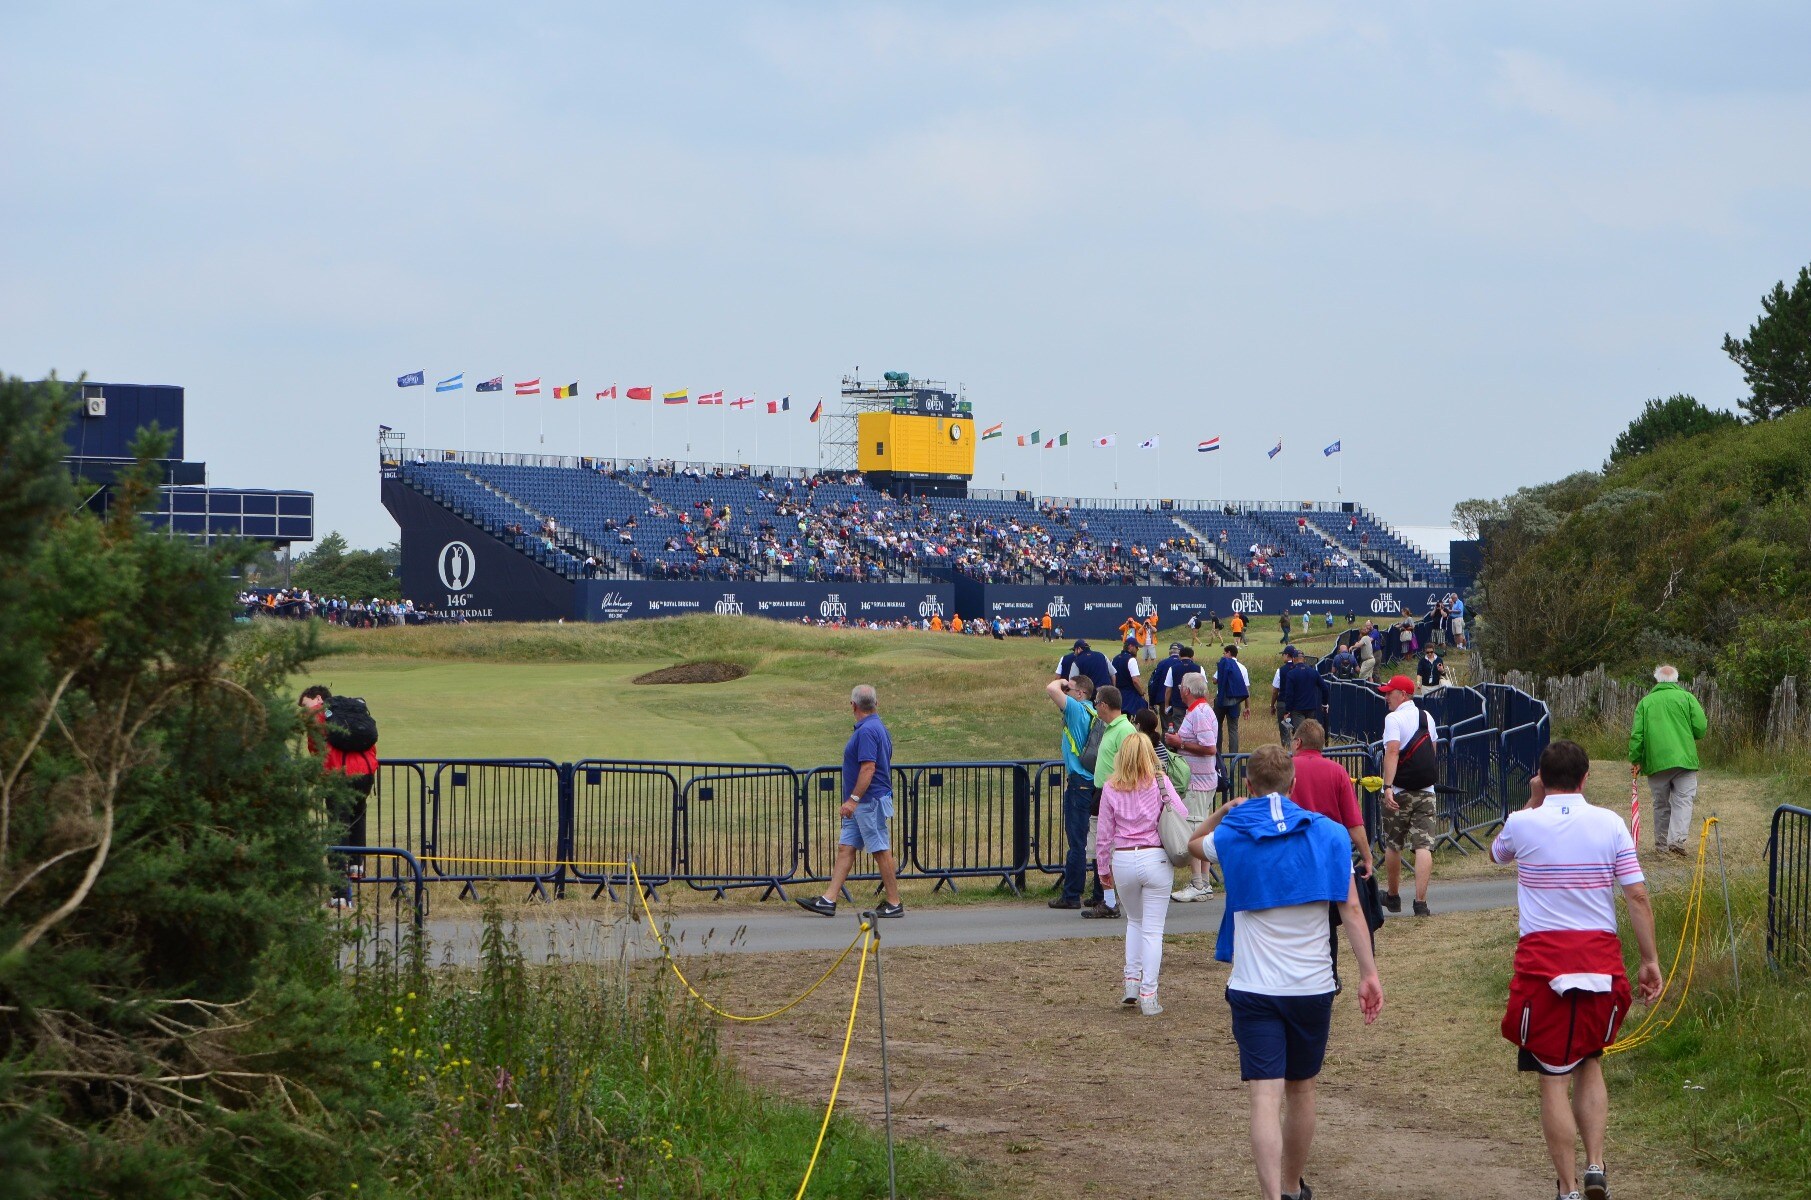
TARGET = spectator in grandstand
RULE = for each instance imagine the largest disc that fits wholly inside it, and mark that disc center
(1232, 692)
(1325, 787)
(1197, 739)
(1129, 858)
(867, 807)
(1082, 659)
(1073, 699)
(1663, 744)
(1115, 729)
(1569, 993)
(1282, 866)
(1298, 692)
(1430, 669)
(1127, 679)
(1411, 767)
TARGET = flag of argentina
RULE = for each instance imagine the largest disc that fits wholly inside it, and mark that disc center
(454, 384)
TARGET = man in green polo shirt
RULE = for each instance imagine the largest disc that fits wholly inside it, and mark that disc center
(1663, 745)
(1107, 708)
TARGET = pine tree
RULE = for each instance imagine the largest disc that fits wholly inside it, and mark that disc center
(170, 1014)
(1775, 357)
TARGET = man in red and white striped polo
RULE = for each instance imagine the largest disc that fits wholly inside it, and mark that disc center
(1569, 994)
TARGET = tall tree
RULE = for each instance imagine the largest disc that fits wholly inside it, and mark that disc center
(1775, 357)
(1660, 421)
(170, 1020)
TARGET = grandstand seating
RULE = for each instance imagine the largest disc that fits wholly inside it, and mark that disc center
(667, 524)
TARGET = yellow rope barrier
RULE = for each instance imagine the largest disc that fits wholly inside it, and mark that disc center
(1689, 933)
(642, 895)
(861, 969)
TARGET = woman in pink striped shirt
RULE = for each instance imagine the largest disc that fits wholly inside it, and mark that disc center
(1129, 857)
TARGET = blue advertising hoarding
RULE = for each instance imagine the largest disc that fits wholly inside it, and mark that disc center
(633, 599)
(1096, 610)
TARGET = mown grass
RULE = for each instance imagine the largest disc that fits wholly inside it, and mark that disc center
(592, 1080)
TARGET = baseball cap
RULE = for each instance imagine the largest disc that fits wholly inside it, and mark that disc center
(1291, 652)
(1400, 683)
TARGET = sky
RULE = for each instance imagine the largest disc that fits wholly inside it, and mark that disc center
(1466, 241)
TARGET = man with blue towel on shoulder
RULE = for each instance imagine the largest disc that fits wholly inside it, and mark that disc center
(1282, 865)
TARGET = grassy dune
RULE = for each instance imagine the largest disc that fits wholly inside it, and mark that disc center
(564, 691)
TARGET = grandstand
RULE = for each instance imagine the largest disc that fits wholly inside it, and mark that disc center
(638, 522)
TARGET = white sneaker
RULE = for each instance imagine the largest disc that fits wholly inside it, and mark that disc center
(1189, 894)
(1206, 888)
(1148, 1006)
(1131, 993)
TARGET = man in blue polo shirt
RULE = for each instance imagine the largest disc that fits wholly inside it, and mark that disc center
(1074, 699)
(867, 807)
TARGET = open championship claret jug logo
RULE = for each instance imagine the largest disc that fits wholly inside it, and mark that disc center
(1247, 602)
(1058, 607)
(1145, 607)
(458, 566)
(833, 608)
(930, 606)
(729, 605)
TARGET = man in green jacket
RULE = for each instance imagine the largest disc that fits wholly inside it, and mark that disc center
(1664, 745)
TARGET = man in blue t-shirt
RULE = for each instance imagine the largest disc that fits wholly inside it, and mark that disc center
(867, 807)
(1074, 699)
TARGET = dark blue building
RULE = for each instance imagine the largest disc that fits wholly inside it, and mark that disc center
(105, 422)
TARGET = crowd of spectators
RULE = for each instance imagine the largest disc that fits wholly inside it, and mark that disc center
(300, 604)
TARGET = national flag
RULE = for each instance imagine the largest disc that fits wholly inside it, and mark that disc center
(491, 385)
(742, 402)
(640, 393)
(383, 429)
(1023, 440)
(1107, 439)
(1211, 444)
(1330, 450)
(817, 412)
(678, 397)
(711, 398)
(994, 431)
(1276, 449)
(1149, 443)
(1061, 439)
(567, 392)
(608, 393)
(531, 387)
(412, 379)
(454, 384)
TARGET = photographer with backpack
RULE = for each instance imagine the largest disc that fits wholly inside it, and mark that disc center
(350, 732)
(1411, 768)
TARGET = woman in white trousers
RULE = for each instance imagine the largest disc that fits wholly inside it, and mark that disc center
(1129, 857)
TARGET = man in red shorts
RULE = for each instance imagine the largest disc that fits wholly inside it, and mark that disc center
(1569, 995)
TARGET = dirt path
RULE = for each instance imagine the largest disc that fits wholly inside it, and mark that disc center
(1016, 1056)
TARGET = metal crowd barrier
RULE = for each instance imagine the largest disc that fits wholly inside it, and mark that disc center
(1789, 887)
(385, 904)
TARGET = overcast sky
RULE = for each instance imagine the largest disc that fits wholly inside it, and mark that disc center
(1468, 241)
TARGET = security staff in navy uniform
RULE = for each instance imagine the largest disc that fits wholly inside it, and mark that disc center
(1126, 678)
(1083, 659)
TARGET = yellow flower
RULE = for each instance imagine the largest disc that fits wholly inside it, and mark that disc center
(376, 1064)
(411, 995)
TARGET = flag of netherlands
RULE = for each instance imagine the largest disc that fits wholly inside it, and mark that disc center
(530, 387)
(454, 384)
(640, 393)
(710, 398)
(1210, 445)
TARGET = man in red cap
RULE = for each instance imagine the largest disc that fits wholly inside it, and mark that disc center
(1411, 767)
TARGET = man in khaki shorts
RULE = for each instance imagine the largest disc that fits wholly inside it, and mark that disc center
(1411, 767)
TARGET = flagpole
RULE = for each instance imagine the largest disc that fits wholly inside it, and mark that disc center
(1116, 464)
(424, 412)
(465, 423)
